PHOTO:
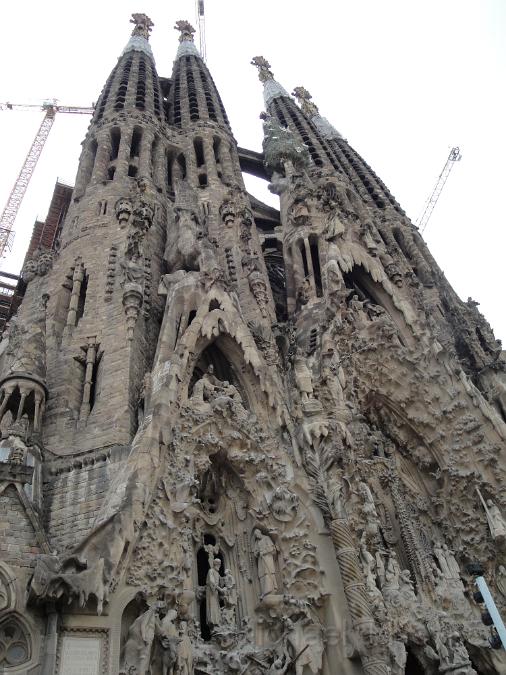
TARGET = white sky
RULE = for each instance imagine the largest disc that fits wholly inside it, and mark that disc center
(403, 80)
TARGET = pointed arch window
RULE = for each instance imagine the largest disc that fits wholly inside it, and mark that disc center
(15, 648)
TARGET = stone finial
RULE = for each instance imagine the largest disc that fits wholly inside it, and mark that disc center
(304, 99)
(143, 25)
(186, 30)
(264, 68)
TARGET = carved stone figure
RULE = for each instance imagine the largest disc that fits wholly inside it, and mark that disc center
(284, 504)
(496, 521)
(184, 662)
(213, 592)
(265, 553)
(500, 580)
(168, 637)
(137, 651)
(229, 594)
(303, 379)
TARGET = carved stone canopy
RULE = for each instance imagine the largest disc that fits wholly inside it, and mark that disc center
(143, 25)
(186, 30)
(304, 99)
(264, 68)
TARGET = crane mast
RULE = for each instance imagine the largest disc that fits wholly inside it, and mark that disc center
(201, 22)
(454, 156)
(22, 181)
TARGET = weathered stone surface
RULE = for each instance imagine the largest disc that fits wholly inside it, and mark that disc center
(237, 440)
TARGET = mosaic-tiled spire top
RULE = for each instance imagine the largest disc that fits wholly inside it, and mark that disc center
(272, 89)
(310, 109)
(187, 46)
(140, 35)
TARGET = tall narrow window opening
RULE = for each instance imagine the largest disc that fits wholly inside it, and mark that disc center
(135, 145)
(199, 152)
(82, 298)
(315, 259)
(115, 141)
(302, 250)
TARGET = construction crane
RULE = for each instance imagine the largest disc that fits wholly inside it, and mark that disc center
(11, 209)
(454, 156)
(201, 22)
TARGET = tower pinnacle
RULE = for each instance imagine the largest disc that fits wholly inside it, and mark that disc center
(310, 109)
(272, 89)
(304, 99)
(187, 46)
(264, 68)
(140, 35)
(186, 29)
(143, 25)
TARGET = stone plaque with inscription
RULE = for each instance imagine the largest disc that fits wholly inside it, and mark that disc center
(80, 656)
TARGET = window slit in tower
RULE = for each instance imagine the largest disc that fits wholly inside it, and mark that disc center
(192, 91)
(140, 96)
(211, 110)
(123, 85)
(315, 259)
(191, 316)
(182, 166)
(135, 145)
(156, 90)
(82, 298)
(105, 97)
(132, 171)
(176, 97)
(115, 140)
(199, 152)
(302, 249)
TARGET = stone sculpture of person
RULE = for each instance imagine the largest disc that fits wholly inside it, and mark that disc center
(213, 592)
(399, 657)
(139, 644)
(265, 553)
(229, 593)
(391, 586)
(495, 521)
(303, 379)
(184, 663)
(168, 636)
(369, 511)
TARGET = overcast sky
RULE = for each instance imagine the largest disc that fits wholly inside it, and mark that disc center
(402, 80)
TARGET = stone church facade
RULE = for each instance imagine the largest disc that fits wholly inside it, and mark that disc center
(237, 439)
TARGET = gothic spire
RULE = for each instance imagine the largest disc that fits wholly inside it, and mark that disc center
(272, 89)
(194, 96)
(133, 82)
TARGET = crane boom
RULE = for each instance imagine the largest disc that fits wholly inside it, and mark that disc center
(454, 156)
(20, 186)
(18, 191)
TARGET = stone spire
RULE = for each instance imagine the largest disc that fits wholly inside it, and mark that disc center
(186, 44)
(140, 35)
(310, 109)
(193, 96)
(272, 89)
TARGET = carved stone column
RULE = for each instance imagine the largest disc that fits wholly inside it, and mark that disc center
(77, 280)
(356, 596)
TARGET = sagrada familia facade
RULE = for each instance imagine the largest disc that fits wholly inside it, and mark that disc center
(236, 439)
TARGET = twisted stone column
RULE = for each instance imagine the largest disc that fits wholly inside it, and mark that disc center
(374, 661)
